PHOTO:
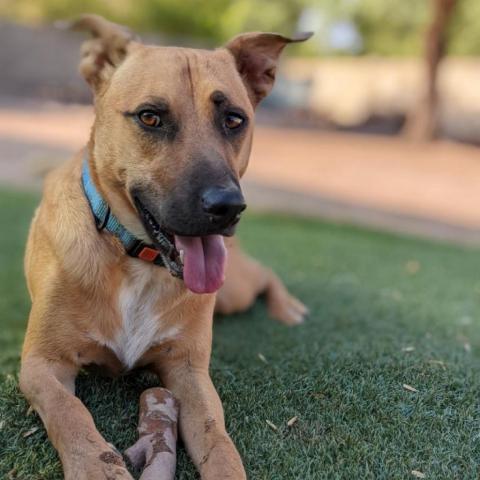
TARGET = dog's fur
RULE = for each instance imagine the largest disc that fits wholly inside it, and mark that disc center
(92, 303)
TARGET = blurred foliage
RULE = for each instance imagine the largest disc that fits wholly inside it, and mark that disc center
(212, 21)
(388, 27)
(391, 26)
(398, 26)
(465, 31)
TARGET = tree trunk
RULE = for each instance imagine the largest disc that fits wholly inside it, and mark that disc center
(423, 124)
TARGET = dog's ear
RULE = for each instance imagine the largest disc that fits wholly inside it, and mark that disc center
(256, 55)
(104, 52)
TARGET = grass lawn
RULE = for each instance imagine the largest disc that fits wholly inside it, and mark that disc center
(386, 311)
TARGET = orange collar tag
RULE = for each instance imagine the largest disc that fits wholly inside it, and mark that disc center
(148, 254)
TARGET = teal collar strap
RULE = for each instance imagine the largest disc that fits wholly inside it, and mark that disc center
(106, 220)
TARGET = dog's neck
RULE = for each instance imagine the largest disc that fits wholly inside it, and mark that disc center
(105, 219)
(112, 190)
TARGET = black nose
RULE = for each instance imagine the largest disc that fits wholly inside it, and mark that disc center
(223, 204)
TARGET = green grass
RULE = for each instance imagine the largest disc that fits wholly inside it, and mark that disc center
(341, 373)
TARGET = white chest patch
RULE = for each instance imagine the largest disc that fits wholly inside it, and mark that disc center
(142, 327)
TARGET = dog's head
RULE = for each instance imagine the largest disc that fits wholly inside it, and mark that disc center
(173, 133)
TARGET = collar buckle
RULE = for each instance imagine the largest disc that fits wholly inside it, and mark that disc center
(145, 252)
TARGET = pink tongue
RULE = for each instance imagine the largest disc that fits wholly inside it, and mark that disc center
(203, 262)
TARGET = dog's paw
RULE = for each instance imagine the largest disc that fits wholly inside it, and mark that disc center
(99, 466)
(287, 309)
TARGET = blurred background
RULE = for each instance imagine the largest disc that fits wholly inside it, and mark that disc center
(374, 121)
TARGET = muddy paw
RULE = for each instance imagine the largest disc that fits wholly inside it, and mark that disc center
(113, 466)
(106, 465)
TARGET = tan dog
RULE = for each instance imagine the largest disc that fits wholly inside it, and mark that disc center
(170, 141)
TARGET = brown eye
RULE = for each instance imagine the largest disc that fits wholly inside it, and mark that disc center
(233, 121)
(150, 119)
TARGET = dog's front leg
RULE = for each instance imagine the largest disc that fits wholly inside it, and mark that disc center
(49, 387)
(201, 421)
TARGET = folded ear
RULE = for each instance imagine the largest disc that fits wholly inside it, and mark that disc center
(104, 52)
(256, 55)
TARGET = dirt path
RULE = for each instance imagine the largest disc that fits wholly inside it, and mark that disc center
(431, 189)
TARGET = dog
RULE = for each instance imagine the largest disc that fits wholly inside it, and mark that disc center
(128, 247)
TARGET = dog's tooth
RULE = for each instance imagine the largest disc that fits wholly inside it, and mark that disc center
(181, 254)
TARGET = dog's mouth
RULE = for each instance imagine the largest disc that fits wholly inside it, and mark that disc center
(199, 260)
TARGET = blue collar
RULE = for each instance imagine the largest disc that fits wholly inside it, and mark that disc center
(106, 220)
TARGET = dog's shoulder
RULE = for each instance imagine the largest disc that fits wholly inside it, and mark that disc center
(63, 235)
